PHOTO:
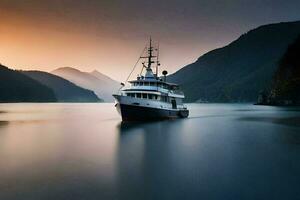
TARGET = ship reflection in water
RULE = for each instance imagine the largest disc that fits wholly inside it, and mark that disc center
(84, 151)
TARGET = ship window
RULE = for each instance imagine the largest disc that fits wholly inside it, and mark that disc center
(146, 83)
(151, 84)
(164, 98)
(150, 96)
(144, 96)
(138, 95)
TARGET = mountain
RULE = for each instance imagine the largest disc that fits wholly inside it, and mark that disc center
(17, 87)
(285, 89)
(64, 90)
(238, 71)
(104, 78)
(102, 85)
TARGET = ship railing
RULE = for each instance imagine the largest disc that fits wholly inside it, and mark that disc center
(176, 92)
(155, 88)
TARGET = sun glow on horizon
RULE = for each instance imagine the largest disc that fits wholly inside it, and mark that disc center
(100, 35)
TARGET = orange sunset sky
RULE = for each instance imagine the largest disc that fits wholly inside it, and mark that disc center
(109, 35)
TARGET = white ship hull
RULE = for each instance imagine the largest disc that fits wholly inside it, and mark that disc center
(134, 109)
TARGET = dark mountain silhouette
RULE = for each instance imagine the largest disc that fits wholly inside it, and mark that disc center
(64, 90)
(17, 87)
(238, 71)
(102, 85)
(285, 89)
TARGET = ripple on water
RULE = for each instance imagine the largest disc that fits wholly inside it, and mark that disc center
(289, 121)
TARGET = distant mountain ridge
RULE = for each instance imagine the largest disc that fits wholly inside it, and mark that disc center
(102, 77)
(64, 90)
(102, 85)
(17, 87)
(238, 71)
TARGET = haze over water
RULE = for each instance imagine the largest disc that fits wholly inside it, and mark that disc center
(83, 151)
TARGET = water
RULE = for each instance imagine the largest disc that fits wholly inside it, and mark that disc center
(82, 151)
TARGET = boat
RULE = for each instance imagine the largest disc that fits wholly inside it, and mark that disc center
(150, 97)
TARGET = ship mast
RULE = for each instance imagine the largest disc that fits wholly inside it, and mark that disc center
(150, 50)
(150, 55)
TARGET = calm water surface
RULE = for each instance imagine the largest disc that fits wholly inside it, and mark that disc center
(83, 151)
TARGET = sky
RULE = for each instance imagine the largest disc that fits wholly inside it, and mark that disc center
(109, 35)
